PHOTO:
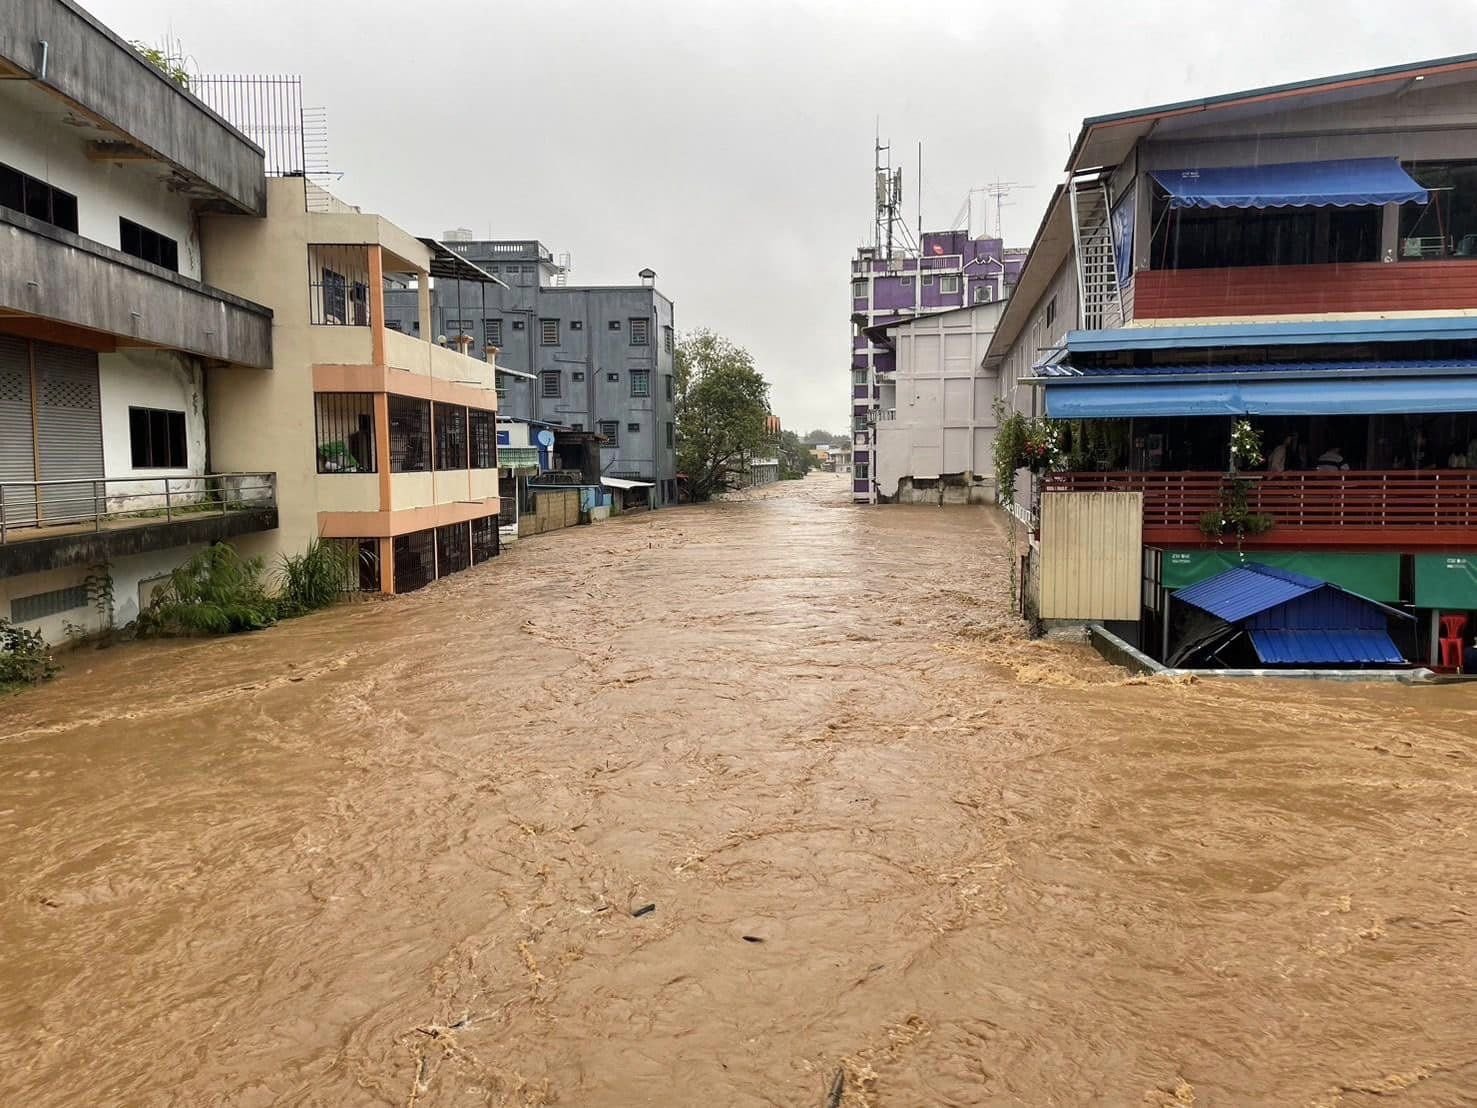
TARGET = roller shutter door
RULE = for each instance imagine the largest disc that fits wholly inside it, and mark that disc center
(17, 446)
(69, 431)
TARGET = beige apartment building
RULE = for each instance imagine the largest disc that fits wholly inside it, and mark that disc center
(380, 439)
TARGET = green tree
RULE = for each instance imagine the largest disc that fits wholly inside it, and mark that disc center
(796, 460)
(722, 405)
(819, 436)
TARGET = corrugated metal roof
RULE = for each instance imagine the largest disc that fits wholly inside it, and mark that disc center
(1417, 367)
(1326, 648)
(1246, 590)
(1275, 333)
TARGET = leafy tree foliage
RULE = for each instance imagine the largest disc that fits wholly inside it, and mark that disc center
(722, 406)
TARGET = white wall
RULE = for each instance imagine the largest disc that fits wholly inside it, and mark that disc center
(1037, 338)
(148, 379)
(35, 140)
(943, 399)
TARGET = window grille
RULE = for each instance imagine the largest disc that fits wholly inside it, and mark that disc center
(338, 285)
(640, 382)
(640, 332)
(484, 539)
(610, 430)
(453, 549)
(415, 560)
(548, 332)
(410, 439)
(451, 436)
(344, 425)
(482, 428)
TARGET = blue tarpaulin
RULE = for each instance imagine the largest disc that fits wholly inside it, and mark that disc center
(1355, 182)
(1360, 396)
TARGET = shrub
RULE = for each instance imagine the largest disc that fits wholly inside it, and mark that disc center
(217, 592)
(25, 659)
(314, 579)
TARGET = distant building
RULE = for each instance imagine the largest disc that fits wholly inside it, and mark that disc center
(586, 358)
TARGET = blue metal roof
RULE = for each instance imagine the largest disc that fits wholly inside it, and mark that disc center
(1303, 333)
(1065, 371)
(1097, 399)
(1247, 590)
(1351, 182)
(1344, 647)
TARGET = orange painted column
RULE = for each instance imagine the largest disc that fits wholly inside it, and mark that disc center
(377, 304)
(387, 566)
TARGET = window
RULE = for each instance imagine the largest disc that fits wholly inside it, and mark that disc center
(37, 199)
(576, 426)
(576, 324)
(39, 605)
(415, 560)
(410, 441)
(484, 539)
(482, 429)
(610, 431)
(140, 242)
(1051, 311)
(550, 380)
(640, 382)
(859, 290)
(671, 435)
(671, 386)
(984, 294)
(669, 339)
(928, 280)
(338, 290)
(633, 428)
(640, 332)
(905, 282)
(451, 436)
(858, 376)
(578, 375)
(157, 437)
(492, 332)
(458, 326)
(548, 332)
(615, 325)
(344, 426)
(1447, 225)
(453, 548)
(518, 325)
(949, 283)
(613, 378)
(1218, 239)
(861, 471)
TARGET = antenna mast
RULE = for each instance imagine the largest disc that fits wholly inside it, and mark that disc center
(889, 189)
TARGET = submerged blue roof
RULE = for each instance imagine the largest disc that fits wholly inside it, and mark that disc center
(1341, 647)
(1352, 182)
(1247, 590)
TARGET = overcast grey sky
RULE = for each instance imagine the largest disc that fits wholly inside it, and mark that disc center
(729, 145)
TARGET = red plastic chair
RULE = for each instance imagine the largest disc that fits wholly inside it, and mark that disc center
(1453, 627)
(1451, 654)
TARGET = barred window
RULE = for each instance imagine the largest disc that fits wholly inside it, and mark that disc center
(453, 548)
(451, 436)
(484, 539)
(548, 332)
(671, 386)
(483, 433)
(492, 332)
(550, 380)
(633, 428)
(671, 435)
(640, 382)
(156, 438)
(640, 332)
(344, 425)
(415, 560)
(669, 340)
(610, 431)
(410, 440)
(338, 285)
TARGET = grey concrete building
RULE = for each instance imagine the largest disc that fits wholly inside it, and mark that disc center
(591, 358)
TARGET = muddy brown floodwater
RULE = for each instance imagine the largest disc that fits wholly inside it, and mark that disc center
(396, 853)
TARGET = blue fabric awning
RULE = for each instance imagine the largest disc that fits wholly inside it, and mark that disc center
(1325, 396)
(1321, 648)
(1356, 182)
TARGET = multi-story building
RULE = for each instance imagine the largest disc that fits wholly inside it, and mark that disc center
(1301, 259)
(951, 270)
(586, 358)
(111, 333)
(381, 439)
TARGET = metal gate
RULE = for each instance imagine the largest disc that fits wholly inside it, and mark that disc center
(69, 431)
(17, 444)
(1092, 554)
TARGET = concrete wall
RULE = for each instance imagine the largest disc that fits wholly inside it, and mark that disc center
(89, 65)
(149, 379)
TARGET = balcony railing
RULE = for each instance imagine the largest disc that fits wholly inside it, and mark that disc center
(1352, 507)
(30, 509)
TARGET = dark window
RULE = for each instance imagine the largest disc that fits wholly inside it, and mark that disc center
(668, 339)
(482, 430)
(671, 435)
(451, 436)
(548, 334)
(640, 332)
(610, 431)
(335, 296)
(453, 548)
(456, 327)
(1051, 311)
(552, 386)
(1446, 226)
(633, 428)
(640, 382)
(1217, 239)
(484, 539)
(410, 440)
(344, 424)
(613, 378)
(492, 332)
(518, 325)
(576, 426)
(576, 324)
(615, 325)
(415, 559)
(37, 199)
(151, 246)
(578, 375)
(671, 386)
(157, 437)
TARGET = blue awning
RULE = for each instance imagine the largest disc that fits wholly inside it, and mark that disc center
(1356, 182)
(1325, 396)
(1344, 647)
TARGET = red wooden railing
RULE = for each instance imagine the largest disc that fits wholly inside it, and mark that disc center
(1390, 508)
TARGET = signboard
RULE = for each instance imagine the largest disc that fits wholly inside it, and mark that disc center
(1124, 214)
(1446, 581)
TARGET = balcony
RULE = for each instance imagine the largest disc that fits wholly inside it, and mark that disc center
(1371, 509)
(49, 524)
(59, 277)
(1302, 290)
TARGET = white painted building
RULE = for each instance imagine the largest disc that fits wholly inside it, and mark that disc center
(937, 428)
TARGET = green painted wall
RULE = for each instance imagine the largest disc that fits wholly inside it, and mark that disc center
(1374, 576)
(1447, 581)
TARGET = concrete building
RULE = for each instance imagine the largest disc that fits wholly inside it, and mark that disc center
(382, 439)
(949, 270)
(111, 336)
(587, 358)
(1297, 261)
(936, 431)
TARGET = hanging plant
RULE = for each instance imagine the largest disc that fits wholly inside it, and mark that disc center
(1246, 445)
(1233, 515)
(1024, 442)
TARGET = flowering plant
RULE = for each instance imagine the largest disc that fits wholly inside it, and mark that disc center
(1246, 445)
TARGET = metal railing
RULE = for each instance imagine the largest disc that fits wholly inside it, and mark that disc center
(31, 506)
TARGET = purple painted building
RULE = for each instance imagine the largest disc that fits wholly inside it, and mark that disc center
(950, 271)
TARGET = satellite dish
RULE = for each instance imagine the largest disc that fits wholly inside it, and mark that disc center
(545, 437)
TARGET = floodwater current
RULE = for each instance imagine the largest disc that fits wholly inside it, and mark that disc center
(398, 853)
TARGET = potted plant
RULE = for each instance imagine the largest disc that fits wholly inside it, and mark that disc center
(335, 458)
